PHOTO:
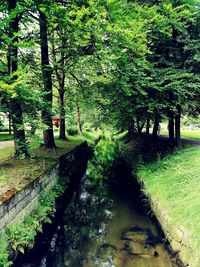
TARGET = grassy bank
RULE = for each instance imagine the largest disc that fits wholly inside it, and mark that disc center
(174, 182)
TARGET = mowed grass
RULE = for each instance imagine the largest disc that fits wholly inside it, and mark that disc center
(175, 182)
(187, 133)
(191, 134)
(5, 136)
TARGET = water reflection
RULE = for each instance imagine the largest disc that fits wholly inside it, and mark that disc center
(104, 231)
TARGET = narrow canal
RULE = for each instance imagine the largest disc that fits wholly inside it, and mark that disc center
(104, 230)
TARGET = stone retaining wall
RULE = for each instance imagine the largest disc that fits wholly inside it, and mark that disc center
(23, 202)
(179, 238)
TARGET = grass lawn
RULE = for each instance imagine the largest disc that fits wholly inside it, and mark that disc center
(191, 134)
(187, 133)
(175, 182)
(5, 136)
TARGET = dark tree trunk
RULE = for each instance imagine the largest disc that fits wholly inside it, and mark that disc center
(155, 127)
(148, 126)
(78, 114)
(140, 125)
(59, 68)
(141, 128)
(15, 104)
(9, 123)
(18, 129)
(62, 134)
(137, 123)
(131, 129)
(171, 128)
(178, 125)
(48, 136)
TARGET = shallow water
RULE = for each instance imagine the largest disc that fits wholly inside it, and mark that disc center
(103, 232)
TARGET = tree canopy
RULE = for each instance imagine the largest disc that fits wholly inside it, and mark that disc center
(123, 63)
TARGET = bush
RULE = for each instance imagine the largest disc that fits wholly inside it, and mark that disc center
(106, 152)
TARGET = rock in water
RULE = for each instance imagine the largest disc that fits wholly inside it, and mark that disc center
(156, 254)
(134, 236)
(135, 248)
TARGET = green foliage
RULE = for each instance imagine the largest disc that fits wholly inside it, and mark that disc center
(106, 152)
(117, 62)
(4, 262)
(1, 123)
(22, 235)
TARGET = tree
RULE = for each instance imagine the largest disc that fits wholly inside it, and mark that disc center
(12, 57)
(48, 135)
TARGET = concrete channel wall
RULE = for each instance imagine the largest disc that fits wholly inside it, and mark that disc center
(23, 202)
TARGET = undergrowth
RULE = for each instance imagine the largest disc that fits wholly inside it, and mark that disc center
(100, 167)
(22, 235)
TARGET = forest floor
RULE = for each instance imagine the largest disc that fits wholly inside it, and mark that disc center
(173, 179)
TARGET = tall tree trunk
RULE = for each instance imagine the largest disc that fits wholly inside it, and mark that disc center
(48, 136)
(148, 126)
(155, 127)
(138, 123)
(9, 123)
(15, 104)
(141, 128)
(178, 125)
(171, 127)
(78, 114)
(62, 134)
(131, 129)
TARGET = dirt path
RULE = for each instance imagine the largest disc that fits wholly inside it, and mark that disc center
(6, 144)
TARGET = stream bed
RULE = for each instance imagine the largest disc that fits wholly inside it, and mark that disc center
(102, 230)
